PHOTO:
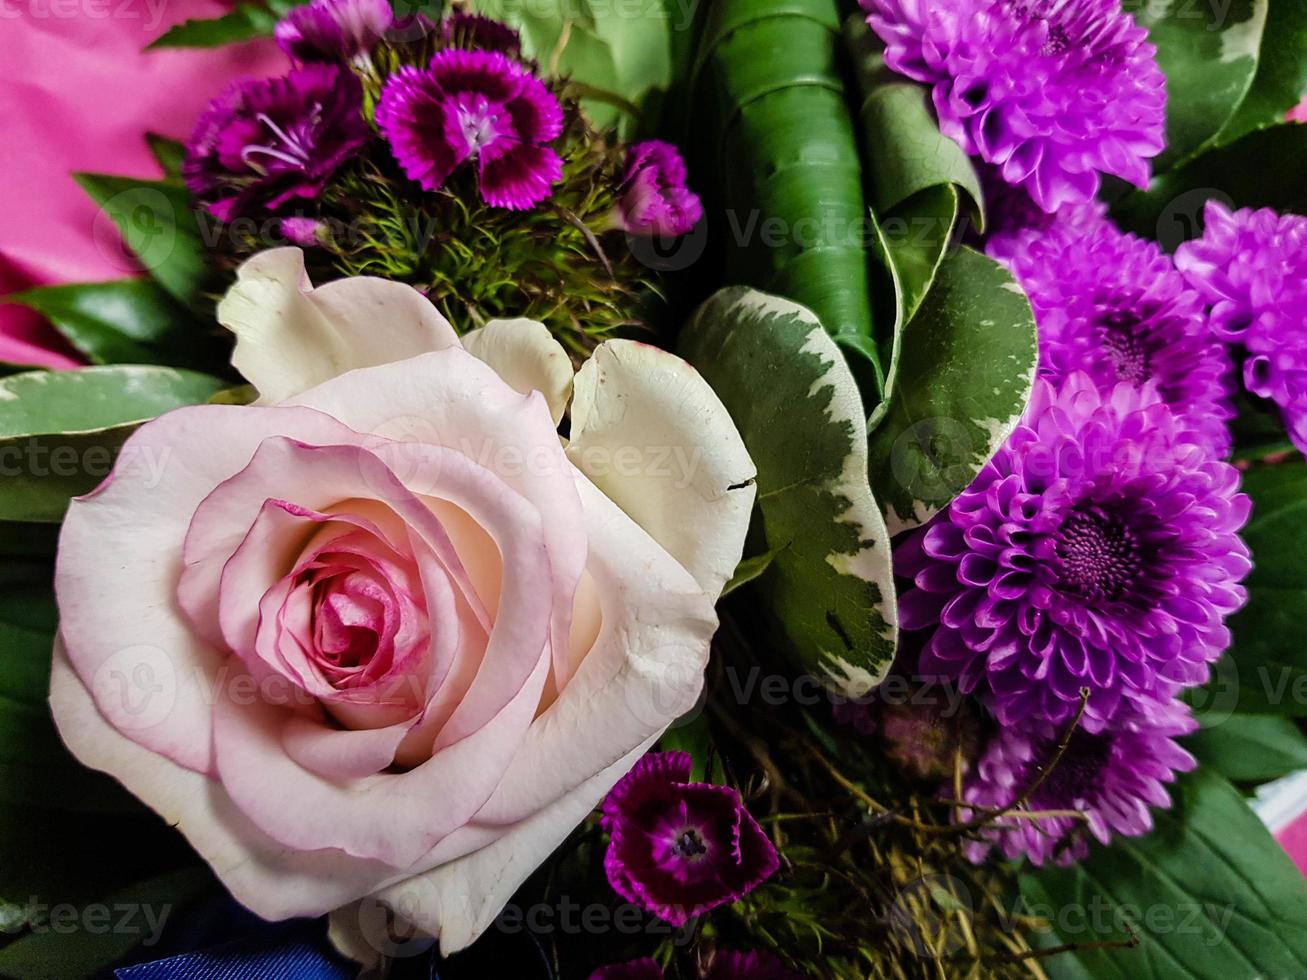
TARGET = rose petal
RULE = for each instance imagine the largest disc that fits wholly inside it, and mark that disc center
(290, 336)
(652, 435)
(525, 354)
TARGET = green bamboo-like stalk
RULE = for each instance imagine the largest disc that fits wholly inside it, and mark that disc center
(776, 121)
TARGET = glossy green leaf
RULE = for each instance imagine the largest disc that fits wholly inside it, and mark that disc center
(1209, 893)
(781, 149)
(904, 150)
(1258, 429)
(158, 223)
(1265, 670)
(1250, 748)
(797, 407)
(1281, 78)
(1261, 170)
(1208, 52)
(60, 430)
(965, 373)
(245, 22)
(128, 321)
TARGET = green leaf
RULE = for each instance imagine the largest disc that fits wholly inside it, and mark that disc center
(1281, 77)
(1209, 892)
(1265, 669)
(1251, 748)
(1258, 429)
(747, 570)
(964, 375)
(242, 24)
(1260, 170)
(781, 152)
(60, 430)
(905, 151)
(73, 943)
(796, 405)
(158, 223)
(1208, 52)
(129, 321)
(169, 153)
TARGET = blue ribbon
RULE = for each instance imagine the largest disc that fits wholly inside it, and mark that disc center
(294, 956)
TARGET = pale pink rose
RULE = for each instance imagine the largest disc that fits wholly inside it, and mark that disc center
(381, 635)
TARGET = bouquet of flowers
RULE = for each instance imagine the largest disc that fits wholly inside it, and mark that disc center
(746, 489)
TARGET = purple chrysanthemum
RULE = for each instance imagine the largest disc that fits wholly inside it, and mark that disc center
(1112, 777)
(653, 198)
(261, 144)
(1052, 92)
(645, 968)
(334, 30)
(679, 848)
(729, 965)
(1251, 268)
(1114, 306)
(1098, 549)
(478, 105)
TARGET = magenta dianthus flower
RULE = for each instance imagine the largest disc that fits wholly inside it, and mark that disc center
(465, 30)
(653, 198)
(1052, 92)
(262, 144)
(1251, 268)
(680, 848)
(759, 965)
(1113, 777)
(1114, 306)
(334, 30)
(1098, 549)
(475, 105)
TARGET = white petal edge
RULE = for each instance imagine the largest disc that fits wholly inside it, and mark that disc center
(290, 336)
(652, 435)
(525, 354)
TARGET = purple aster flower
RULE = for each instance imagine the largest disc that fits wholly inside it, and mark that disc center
(644, 968)
(464, 30)
(475, 105)
(1098, 549)
(1114, 306)
(334, 30)
(653, 198)
(1251, 268)
(1112, 777)
(1052, 92)
(728, 965)
(261, 144)
(679, 848)
(924, 736)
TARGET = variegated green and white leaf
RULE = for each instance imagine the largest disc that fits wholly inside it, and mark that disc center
(964, 374)
(790, 392)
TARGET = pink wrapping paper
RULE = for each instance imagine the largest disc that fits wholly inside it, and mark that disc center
(77, 93)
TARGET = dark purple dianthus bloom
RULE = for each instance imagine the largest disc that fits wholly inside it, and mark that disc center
(679, 848)
(464, 30)
(1098, 549)
(644, 968)
(1113, 777)
(1052, 92)
(334, 30)
(653, 198)
(262, 144)
(729, 965)
(1251, 268)
(1114, 306)
(475, 105)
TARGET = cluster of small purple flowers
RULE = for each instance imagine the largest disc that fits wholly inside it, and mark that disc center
(264, 146)
(1085, 578)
